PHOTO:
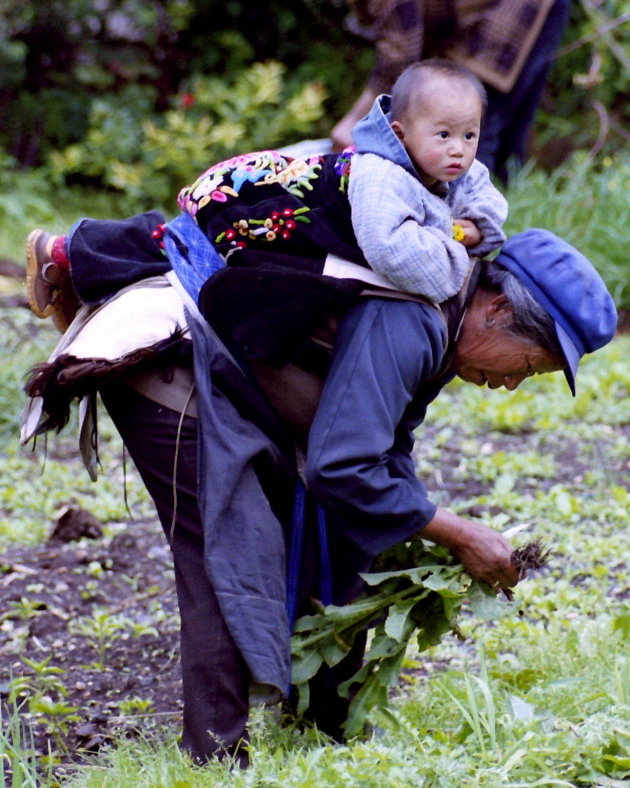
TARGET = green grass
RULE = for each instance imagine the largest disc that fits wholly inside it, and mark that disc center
(587, 204)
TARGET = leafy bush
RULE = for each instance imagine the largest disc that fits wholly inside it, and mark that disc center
(586, 102)
(151, 160)
(58, 57)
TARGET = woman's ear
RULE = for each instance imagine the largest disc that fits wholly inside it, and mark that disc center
(398, 130)
(496, 308)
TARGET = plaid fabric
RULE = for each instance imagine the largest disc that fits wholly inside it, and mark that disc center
(491, 37)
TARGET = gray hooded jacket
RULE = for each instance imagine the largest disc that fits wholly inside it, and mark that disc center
(404, 230)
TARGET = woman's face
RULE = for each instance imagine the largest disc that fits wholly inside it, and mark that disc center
(487, 353)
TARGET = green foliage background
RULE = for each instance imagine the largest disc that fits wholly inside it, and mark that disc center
(66, 65)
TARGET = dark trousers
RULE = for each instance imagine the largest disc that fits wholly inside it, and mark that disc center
(215, 677)
(509, 116)
(107, 255)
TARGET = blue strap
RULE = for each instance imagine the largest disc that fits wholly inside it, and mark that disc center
(193, 258)
(296, 541)
(325, 569)
(296, 548)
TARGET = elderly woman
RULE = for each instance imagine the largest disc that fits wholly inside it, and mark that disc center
(299, 378)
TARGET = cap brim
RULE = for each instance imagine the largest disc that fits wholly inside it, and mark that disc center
(571, 355)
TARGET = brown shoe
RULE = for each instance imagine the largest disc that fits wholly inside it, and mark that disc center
(49, 287)
(65, 306)
(43, 278)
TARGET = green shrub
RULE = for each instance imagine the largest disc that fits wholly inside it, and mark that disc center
(585, 104)
(151, 160)
(58, 57)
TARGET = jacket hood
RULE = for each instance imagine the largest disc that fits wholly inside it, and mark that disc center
(374, 134)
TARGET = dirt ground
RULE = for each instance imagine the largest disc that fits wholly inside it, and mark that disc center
(112, 675)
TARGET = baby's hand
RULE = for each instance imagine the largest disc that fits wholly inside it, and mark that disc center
(466, 232)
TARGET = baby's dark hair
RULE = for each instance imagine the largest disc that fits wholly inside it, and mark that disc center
(408, 87)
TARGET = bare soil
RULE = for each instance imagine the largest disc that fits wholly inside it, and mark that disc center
(134, 682)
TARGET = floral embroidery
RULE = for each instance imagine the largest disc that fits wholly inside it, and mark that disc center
(296, 175)
(225, 179)
(239, 179)
(342, 167)
(279, 225)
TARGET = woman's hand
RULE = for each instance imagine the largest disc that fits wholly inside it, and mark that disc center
(472, 235)
(484, 553)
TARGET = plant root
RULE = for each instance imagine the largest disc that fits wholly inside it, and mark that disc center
(532, 556)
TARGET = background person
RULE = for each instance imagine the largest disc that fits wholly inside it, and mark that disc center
(509, 44)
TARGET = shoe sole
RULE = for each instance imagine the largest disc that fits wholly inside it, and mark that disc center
(32, 274)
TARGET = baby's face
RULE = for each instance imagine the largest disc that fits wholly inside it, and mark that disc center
(442, 135)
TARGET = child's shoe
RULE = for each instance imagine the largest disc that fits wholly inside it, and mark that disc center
(43, 277)
(66, 306)
(48, 284)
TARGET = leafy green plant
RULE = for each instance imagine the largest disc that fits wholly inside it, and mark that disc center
(425, 599)
(134, 706)
(56, 716)
(102, 630)
(43, 679)
(23, 609)
(150, 160)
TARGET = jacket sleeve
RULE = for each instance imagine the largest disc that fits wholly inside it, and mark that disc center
(399, 240)
(476, 198)
(359, 459)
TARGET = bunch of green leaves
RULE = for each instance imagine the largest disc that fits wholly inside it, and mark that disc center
(422, 599)
(150, 157)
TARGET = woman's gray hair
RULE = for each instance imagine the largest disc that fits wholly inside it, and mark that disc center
(529, 319)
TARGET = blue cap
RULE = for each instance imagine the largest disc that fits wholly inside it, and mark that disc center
(568, 287)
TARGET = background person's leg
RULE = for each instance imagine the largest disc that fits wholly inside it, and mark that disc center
(215, 677)
(509, 116)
